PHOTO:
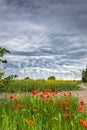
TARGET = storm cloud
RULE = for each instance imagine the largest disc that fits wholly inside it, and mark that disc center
(45, 37)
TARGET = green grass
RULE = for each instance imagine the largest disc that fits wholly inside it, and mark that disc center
(30, 84)
(42, 111)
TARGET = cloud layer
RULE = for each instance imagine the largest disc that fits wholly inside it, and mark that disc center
(45, 37)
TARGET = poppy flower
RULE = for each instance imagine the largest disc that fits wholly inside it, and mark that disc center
(65, 114)
(53, 94)
(30, 122)
(34, 110)
(50, 100)
(5, 104)
(56, 91)
(21, 105)
(47, 96)
(42, 95)
(80, 109)
(65, 94)
(11, 97)
(69, 94)
(45, 93)
(81, 121)
(58, 102)
(15, 100)
(15, 107)
(82, 103)
(66, 102)
(34, 92)
(85, 125)
(62, 107)
(49, 90)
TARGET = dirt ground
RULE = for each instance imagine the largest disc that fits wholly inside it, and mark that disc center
(82, 93)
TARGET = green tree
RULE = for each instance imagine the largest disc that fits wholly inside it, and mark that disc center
(26, 78)
(84, 75)
(51, 78)
(3, 51)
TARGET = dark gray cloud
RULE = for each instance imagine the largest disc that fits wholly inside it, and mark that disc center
(45, 37)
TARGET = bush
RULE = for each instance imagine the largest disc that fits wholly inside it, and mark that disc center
(51, 78)
(84, 76)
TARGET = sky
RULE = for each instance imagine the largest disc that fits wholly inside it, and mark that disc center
(45, 37)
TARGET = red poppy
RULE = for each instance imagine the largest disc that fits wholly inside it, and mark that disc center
(50, 100)
(80, 109)
(30, 122)
(69, 94)
(49, 90)
(47, 96)
(34, 92)
(45, 92)
(56, 91)
(21, 105)
(11, 97)
(15, 100)
(42, 95)
(58, 102)
(85, 125)
(82, 103)
(81, 121)
(66, 102)
(53, 94)
(65, 114)
(5, 104)
(34, 110)
(62, 107)
(65, 94)
(15, 107)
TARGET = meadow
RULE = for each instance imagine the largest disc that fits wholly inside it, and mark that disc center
(27, 85)
(44, 110)
(38, 105)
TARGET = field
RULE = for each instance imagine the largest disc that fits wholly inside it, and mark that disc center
(45, 110)
(27, 85)
(38, 105)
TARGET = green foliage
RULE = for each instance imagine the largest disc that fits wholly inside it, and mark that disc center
(84, 76)
(51, 78)
(53, 113)
(12, 77)
(26, 78)
(30, 84)
(1, 74)
(3, 51)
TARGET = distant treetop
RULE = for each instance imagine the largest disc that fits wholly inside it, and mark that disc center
(51, 78)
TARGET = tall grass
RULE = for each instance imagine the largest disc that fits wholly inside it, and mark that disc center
(43, 111)
(30, 84)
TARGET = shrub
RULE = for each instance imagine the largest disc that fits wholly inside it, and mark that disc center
(51, 78)
(84, 76)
